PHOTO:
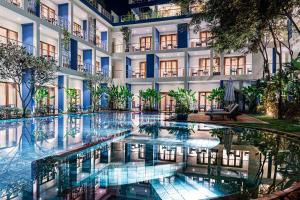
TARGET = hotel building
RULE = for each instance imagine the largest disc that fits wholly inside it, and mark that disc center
(163, 52)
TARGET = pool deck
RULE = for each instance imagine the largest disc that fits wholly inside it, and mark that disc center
(202, 118)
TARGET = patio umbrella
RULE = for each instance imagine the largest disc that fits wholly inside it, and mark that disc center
(229, 92)
(228, 136)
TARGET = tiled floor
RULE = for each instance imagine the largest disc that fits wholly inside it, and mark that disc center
(201, 117)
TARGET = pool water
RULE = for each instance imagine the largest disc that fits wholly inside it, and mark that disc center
(140, 156)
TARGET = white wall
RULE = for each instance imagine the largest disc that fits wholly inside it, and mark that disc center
(180, 62)
(136, 64)
(166, 87)
(204, 86)
(76, 84)
(135, 89)
(51, 5)
(5, 23)
(50, 40)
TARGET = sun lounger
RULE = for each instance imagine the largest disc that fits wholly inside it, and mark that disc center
(232, 112)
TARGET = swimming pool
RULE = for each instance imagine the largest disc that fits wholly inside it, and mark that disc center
(138, 156)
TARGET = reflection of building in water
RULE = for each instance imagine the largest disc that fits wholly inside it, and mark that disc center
(139, 167)
(145, 164)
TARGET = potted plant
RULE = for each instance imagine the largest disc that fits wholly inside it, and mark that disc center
(118, 97)
(126, 37)
(150, 98)
(72, 96)
(40, 95)
(217, 95)
(184, 99)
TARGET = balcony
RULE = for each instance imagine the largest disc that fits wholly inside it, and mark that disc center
(50, 56)
(134, 47)
(237, 70)
(169, 45)
(152, 15)
(84, 67)
(18, 3)
(79, 32)
(136, 74)
(198, 43)
(101, 10)
(66, 61)
(102, 72)
(55, 20)
(101, 45)
(171, 72)
(199, 71)
(28, 47)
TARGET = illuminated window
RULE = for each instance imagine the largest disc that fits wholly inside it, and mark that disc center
(48, 50)
(169, 68)
(8, 36)
(145, 43)
(168, 41)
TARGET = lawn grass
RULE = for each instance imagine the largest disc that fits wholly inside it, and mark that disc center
(276, 124)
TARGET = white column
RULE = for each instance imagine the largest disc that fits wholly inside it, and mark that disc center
(72, 15)
(211, 70)
(37, 38)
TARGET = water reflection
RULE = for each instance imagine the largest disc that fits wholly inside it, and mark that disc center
(154, 160)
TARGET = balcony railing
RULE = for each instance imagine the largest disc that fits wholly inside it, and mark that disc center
(134, 47)
(101, 9)
(197, 42)
(168, 45)
(153, 15)
(102, 45)
(84, 67)
(136, 74)
(29, 48)
(238, 70)
(81, 34)
(52, 56)
(199, 71)
(102, 72)
(171, 72)
(18, 3)
(66, 61)
(56, 21)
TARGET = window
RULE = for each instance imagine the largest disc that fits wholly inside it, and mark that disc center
(235, 65)
(77, 29)
(47, 13)
(167, 153)
(167, 103)
(204, 103)
(50, 99)
(168, 41)
(79, 60)
(204, 65)
(233, 158)
(8, 36)
(142, 70)
(216, 67)
(145, 43)
(169, 68)
(9, 95)
(206, 157)
(204, 38)
(98, 69)
(77, 100)
(16, 2)
(171, 10)
(48, 50)
(98, 43)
